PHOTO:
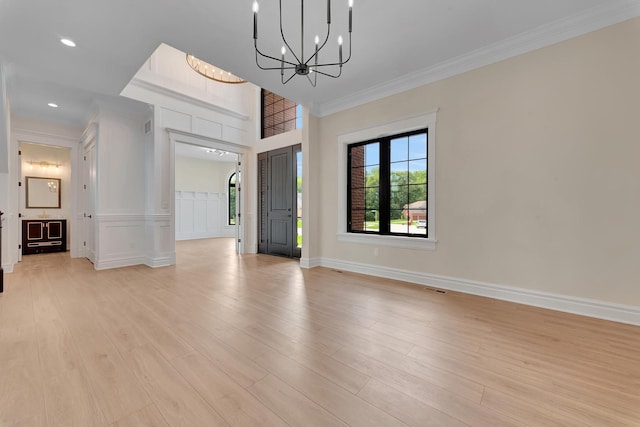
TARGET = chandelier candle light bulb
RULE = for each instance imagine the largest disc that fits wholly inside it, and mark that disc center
(255, 19)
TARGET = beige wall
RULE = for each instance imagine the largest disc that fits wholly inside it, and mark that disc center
(202, 175)
(537, 177)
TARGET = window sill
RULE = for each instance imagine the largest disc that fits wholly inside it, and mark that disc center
(391, 241)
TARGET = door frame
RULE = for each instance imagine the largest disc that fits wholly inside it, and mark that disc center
(88, 198)
(19, 135)
(177, 136)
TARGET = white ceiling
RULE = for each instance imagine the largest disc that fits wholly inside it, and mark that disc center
(396, 45)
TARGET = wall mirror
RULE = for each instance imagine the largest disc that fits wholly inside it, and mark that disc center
(43, 193)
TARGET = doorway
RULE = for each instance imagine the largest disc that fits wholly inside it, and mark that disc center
(45, 198)
(207, 182)
(280, 202)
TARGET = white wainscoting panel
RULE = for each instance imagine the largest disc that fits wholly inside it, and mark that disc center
(121, 241)
(201, 215)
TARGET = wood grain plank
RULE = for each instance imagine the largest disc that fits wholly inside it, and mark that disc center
(71, 402)
(236, 405)
(344, 405)
(294, 407)
(176, 399)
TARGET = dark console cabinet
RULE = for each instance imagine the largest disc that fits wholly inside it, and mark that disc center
(44, 235)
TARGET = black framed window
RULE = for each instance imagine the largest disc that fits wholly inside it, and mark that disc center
(231, 209)
(387, 185)
(279, 115)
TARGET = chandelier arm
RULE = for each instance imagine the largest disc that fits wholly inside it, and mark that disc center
(321, 46)
(258, 52)
(283, 37)
(314, 81)
(284, 82)
(273, 68)
(329, 75)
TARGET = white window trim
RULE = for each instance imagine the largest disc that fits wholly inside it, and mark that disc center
(406, 124)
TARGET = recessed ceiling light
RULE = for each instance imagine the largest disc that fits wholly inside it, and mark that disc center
(68, 42)
(53, 105)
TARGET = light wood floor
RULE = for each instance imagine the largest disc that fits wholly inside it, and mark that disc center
(254, 340)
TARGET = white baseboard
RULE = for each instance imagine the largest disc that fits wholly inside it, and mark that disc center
(582, 306)
(7, 268)
(117, 263)
(161, 261)
(310, 262)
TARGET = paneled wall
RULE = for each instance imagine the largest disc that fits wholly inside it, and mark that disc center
(201, 198)
(201, 215)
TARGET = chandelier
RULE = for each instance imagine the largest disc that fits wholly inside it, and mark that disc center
(209, 71)
(297, 63)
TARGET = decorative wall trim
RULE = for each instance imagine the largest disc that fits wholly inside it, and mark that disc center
(582, 306)
(158, 217)
(119, 217)
(186, 98)
(613, 12)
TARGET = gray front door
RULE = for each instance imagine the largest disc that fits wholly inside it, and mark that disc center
(277, 203)
(280, 202)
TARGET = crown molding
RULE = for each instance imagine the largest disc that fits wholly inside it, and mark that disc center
(593, 19)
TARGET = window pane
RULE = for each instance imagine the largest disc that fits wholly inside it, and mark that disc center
(418, 146)
(372, 195)
(232, 206)
(372, 154)
(372, 218)
(418, 196)
(418, 221)
(399, 197)
(418, 171)
(399, 149)
(372, 176)
(399, 173)
(398, 221)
